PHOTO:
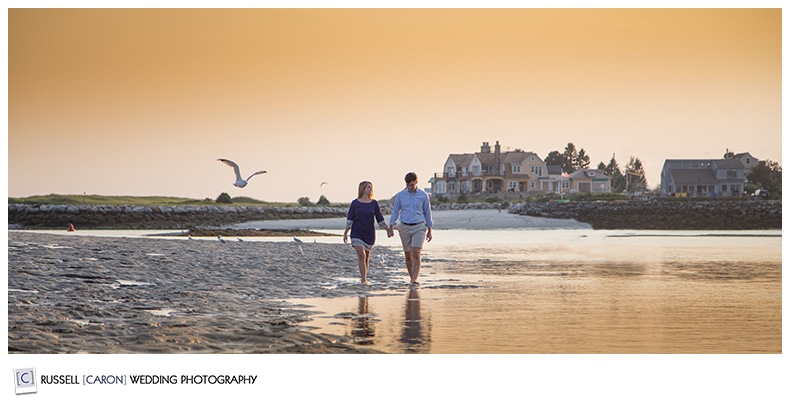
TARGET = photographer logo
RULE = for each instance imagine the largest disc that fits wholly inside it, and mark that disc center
(25, 380)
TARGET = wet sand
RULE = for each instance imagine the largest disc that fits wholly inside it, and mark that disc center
(70, 293)
(82, 294)
(472, 219)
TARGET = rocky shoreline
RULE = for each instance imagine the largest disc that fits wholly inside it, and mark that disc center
(659, 214)
(22, 216)
(668, 214)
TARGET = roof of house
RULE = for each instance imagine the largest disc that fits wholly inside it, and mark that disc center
(515, 157)
(730, 163)
(462, 160)
(693, 176)
(588, 173)
(554, 170)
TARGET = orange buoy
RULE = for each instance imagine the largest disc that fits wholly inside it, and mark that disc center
(71, 227)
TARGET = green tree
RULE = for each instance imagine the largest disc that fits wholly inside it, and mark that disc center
(304, 201)
(322, 201)
(635, 175)
(569, 157)
(224, 198)
(582, 160)
(554, 159)
(613, 171)
(767, 175)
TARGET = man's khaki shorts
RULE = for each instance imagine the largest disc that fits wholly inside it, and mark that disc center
(412, 236)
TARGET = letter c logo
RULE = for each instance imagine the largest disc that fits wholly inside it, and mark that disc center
(22, 378)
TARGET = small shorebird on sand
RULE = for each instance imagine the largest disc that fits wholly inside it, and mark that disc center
(240, 182)
(299, 245)
(221, 240)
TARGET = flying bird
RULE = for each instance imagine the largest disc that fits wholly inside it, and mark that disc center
(240, 182)
(323, 183)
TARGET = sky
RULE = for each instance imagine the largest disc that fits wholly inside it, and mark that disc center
(144, 101)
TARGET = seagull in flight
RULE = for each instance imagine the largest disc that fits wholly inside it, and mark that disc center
(323, 183)
(240, 182)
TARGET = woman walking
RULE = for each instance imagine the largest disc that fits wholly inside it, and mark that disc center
(363, 214)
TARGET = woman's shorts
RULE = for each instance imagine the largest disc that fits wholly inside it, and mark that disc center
(412, 236)
(355, 242)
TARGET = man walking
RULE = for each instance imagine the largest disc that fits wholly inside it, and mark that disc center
(413, 207)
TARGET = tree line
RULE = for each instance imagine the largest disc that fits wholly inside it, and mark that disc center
(632, 178)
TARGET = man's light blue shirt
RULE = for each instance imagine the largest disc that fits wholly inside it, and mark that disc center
(412, 207)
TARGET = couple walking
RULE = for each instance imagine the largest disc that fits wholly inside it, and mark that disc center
(411, 211)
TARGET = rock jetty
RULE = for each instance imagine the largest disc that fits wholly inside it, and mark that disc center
(22, 216)
(667, 214)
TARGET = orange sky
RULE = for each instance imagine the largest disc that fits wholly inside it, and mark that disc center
(143, 101)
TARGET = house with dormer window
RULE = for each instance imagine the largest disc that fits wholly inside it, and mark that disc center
(491, 171)
(706, 177)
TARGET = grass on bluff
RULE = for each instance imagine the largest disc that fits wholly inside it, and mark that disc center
(55, 199)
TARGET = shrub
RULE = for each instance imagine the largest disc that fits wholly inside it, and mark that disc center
(224, 198)
(322, 201)
(304, 201)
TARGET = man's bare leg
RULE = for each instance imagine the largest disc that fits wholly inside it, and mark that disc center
(416, 263)
(408, 263)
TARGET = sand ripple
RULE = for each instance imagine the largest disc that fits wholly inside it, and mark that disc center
(126, 295)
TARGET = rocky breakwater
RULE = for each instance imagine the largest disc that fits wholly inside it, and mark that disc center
(21, 216)
(659, 214)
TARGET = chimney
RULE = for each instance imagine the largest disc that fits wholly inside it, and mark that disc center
(496, 148)
(485, 148)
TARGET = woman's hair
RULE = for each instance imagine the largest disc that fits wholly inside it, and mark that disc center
(362, 186)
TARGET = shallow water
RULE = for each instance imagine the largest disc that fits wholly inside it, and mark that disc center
(575, 291)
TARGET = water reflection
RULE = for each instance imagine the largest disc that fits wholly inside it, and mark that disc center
(415, 336)
(363, 329)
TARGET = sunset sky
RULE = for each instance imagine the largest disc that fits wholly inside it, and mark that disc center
(143, 101)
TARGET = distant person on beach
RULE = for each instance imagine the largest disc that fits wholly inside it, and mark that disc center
(363, 214)
(413, 207)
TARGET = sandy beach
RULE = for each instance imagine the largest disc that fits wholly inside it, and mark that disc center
(71, 293)
(81, 294)
(473, 219)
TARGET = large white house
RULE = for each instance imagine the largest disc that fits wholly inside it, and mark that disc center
(490, 172)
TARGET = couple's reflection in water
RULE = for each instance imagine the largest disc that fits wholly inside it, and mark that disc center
(415, 331)
(363, 329)
(415, 336)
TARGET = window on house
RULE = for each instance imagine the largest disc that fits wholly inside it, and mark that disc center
(476, 170)
(723, 187)
(537, 170)
(516, 168)
(532, 184)
(512, 185)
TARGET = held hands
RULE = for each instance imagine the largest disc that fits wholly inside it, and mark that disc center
(390, 231)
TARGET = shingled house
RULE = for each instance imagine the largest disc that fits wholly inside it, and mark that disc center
(705, 177)
(493, 171)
